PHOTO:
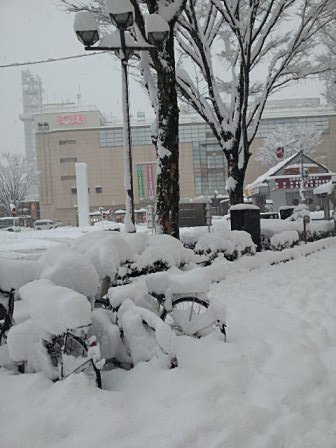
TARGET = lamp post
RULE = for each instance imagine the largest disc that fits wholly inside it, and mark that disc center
(121, 15)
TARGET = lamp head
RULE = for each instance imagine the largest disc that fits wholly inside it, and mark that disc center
(121, 13)
(157, 29)
(86, 28)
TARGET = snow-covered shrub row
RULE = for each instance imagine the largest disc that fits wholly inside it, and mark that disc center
(161, 252)
(230, 244)
(84, 263)
(221, 268)
(316, 230)
(284, 240)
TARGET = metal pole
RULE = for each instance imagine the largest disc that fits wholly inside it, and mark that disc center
(128, 180)
(302, 188)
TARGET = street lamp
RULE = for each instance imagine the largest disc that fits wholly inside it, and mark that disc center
(121, 14)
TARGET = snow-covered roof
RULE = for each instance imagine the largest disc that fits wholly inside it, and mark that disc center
(261, 179)
(326, 188)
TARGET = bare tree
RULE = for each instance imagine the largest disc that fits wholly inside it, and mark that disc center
(15, 180)
(329, 58)
(161, 87)
(234, 55)
(291, 140)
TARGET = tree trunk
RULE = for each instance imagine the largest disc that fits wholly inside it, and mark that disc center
(167, 144)
(237, 195)
(238, 174)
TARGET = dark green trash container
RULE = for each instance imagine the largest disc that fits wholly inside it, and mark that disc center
(247, 217)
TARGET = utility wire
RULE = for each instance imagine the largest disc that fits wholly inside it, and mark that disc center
(43, 61)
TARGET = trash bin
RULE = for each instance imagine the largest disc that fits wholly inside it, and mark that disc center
(247, 217)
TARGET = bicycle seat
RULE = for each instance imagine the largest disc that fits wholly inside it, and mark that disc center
(178, 282)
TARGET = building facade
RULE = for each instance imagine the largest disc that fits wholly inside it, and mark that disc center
(80, 134)
(288, 183)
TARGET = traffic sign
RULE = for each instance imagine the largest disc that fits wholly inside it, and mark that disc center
(279, 152)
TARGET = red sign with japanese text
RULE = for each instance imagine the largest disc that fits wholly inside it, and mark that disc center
(295, 182)
(70, 119)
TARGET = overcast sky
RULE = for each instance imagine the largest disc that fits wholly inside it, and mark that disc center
(37, 29)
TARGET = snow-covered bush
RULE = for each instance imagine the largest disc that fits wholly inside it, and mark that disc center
(232, 244)
(284, 240)
(161, 253)
(190, 236)
(317, 230)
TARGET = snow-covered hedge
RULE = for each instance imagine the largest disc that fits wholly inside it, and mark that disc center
(231, 244)
(316, 230)
(284, 240)
(161, 252)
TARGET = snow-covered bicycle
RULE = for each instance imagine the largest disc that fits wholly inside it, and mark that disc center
(54, 336)
(6, 313)
(179, 298)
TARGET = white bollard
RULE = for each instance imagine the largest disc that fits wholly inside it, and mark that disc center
(82, 195)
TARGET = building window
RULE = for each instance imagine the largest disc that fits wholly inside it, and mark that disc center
(68, 159)
(66, 142)
(98, 189)
(68, 177)
(114, 137)
(73, 190)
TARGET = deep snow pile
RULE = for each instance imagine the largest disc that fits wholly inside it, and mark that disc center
(271, 385)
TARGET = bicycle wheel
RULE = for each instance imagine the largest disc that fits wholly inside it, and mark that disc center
(189, 316)
(75, 359)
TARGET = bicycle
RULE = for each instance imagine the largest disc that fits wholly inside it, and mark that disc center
(6, 314)
(42, 342)
(143, 334)
(189, 314)
(175, 298)
(70, 353)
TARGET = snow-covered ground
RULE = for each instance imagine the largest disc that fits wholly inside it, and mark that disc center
(272, 385)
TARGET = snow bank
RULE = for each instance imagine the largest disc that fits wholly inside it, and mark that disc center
(15, 273)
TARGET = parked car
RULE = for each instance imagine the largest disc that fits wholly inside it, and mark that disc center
(269, 215)
(44, 224)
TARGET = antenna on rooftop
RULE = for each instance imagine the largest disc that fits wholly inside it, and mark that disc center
(79, 95)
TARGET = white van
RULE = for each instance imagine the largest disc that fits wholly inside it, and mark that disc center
(44, 224)
(10, 224)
